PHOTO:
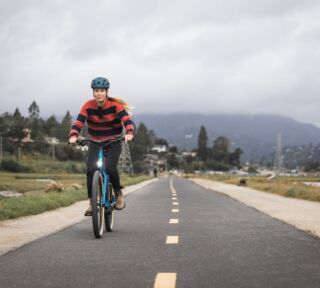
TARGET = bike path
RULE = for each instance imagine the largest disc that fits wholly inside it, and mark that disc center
(221, 243)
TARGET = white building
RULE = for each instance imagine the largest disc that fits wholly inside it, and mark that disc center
(159, 148)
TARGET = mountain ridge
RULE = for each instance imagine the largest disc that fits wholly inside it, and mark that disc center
(256, 134)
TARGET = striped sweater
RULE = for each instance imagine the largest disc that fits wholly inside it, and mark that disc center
(105, 122)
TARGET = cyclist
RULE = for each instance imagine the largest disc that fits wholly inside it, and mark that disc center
(105, 117)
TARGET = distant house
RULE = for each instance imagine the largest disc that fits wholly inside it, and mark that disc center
(82, 148)
(51, 140)
(192, 154)
(151, 160)
(27, 136)
(159, 148)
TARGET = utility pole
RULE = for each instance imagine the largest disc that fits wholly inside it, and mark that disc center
(125, 159)
(1, 148)
(19, 154)
(53, 155)
(278, 159)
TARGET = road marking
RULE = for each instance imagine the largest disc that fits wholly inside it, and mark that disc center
(165, 280)
(175, 203)
(174, 198)
(174, 221)
(175, 210)
(172, 240)
(171, 187)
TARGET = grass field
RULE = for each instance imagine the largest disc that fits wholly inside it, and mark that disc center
(35, 200)
(285, 186)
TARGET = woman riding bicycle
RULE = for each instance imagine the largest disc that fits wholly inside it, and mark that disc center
(105, 117)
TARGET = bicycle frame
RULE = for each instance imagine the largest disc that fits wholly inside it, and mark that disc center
(105, 203)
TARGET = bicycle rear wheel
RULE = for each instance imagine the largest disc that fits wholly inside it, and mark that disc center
(97, 208)
(109, 213)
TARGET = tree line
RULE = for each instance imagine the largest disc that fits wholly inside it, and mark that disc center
(13, 125)
(218, 156)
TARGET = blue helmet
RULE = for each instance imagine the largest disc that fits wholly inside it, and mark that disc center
(100, 82)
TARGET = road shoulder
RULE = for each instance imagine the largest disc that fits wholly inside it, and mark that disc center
(302, 214)
(18, 232)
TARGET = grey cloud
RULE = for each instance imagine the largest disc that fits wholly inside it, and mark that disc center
(163, 56)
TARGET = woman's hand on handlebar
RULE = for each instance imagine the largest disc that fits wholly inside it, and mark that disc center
(128, 137)
(73, 140)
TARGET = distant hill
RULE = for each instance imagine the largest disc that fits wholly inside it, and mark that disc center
(255, 134)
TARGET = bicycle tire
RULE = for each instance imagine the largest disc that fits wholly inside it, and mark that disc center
(97, 209)
(109, 213)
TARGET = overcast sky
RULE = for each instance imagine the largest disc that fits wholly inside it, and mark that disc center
(218, 56)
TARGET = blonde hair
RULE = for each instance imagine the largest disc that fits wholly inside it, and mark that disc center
(126, 105)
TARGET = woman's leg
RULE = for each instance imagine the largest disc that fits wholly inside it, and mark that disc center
(112, 153)
(91, 166)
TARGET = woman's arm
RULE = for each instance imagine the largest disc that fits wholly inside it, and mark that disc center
(125, 119)
(78, 124)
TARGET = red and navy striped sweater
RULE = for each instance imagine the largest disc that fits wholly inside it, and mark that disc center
(105, 122)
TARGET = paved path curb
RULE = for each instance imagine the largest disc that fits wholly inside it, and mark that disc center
(302, 214)
(15, 233)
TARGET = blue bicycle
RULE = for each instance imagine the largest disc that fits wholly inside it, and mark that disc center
(103, 196)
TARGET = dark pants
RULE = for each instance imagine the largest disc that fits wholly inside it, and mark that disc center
(112, 154)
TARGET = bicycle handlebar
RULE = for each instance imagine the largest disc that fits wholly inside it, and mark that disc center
(83, 142)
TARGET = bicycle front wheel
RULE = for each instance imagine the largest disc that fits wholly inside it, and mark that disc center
(109, 213)
(97, 208)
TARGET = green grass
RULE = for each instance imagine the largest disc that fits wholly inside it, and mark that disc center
(49, 166)
(35, 200)
(26, 182)
(285, 186)
(38, 203)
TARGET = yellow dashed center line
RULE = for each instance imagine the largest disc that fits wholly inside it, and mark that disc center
(165, 280)
(172, 240)
(168, 280)
(172, 188)
(174, 221)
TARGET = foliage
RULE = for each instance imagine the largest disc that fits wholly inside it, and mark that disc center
(13, 166)
(202, 144)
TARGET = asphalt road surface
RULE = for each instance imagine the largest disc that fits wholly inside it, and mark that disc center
(214, 241)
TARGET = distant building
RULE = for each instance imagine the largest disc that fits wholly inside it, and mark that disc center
(151, 161)
(51, 140)
(192, 154)
(27, 136)
(82, 148)
(159, 148)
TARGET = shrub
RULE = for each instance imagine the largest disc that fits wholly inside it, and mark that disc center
(13, 166)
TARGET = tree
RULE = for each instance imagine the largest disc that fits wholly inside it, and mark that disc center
(220, 149)
(161, 141)
(234, 157)
(142, 142)
(202, 144)
(51, 126)
(17, 125)
(34, 115)
(144, 139)
(172, 161)
(173, 149)
(34, 111)
(65, 127)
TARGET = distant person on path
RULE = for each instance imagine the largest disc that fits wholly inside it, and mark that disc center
(105, 117)
(155, 171)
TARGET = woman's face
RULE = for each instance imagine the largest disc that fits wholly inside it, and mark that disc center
(100, 95)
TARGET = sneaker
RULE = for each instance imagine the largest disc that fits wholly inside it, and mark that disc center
(89, 210)
(120, 203)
